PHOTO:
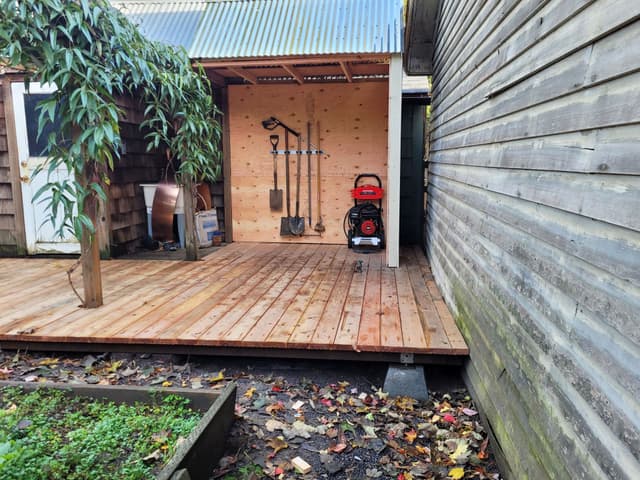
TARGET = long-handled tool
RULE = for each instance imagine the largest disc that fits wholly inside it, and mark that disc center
(309, 167)
(275, 195)
(319, 226)
(284, 221)
(296, 224)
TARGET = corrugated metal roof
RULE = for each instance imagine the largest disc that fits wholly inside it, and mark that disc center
(174, 23)
(230, 29)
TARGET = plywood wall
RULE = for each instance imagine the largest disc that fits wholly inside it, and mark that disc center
(353, 123)
(533, 228)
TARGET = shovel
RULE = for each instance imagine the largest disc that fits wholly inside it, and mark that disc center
(275, 195)
(296, 224)
(284, 221)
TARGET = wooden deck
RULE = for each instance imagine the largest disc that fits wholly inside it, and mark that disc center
(267, 297)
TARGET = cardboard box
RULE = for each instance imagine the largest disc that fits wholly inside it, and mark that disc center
(206, 225)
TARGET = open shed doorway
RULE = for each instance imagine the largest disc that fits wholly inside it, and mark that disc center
(412, 164)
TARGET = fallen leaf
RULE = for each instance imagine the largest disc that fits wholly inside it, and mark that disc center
(411, 436)
(449, 418)
(469, 412)
(153, 456)
(48, 361)
(273, 425)
(456, 473)
(249, 393)
(338, 448)
(405, 403)
(277, 443)
(299, 429)
(216, 378)
(114, 366)
(461, 453)
(373, 473)
(275, 407)
(482, 454)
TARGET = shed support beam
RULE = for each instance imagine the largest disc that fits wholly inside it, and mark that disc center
(347, 71)
(392, 228)
(294, 73)
(249, 77)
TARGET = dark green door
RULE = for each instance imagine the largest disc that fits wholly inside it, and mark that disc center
(412, 174)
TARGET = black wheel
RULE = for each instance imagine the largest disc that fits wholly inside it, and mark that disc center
(349, 240)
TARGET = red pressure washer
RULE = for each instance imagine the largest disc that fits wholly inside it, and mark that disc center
(363, 222)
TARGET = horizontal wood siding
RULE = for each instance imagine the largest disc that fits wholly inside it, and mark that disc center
(7, 208)
(533, 231)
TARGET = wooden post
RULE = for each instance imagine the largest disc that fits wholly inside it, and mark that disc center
(190, 240)
(392, 226)
(90, 248)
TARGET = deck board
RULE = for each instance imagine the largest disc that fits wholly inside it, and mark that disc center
(246, 295)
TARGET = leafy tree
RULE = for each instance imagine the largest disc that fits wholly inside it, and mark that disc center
(93, 55)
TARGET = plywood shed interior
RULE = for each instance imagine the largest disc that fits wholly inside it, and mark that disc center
(353, 135)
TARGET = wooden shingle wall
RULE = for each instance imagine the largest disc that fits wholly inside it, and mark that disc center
(136, 166)
(7, 208)
(533, 227)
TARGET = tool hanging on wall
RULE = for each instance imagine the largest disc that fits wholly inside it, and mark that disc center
(319, 226)
(309, 168)
(296, 224)
(285, 222)
(275, 195)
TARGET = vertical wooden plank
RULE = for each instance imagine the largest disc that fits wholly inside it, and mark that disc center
(259, 334)
(394, 134)
(312, 318)
(412, 332)
(248, 298)
(391, 324)
(419, 275)
(329, 323)
(347, 334)
(14, 167)
(226, 166)
(369, 329)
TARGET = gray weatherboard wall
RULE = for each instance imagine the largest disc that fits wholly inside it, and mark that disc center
(533, 224)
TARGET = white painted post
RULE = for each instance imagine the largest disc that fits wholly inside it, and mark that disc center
(392, 227)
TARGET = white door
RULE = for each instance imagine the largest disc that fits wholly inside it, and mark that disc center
(40, 233)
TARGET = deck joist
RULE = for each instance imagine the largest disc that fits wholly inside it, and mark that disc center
(323, 301)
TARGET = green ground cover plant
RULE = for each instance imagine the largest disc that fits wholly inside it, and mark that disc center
(46, 434)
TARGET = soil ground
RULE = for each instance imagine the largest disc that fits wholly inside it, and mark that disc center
(333, 415)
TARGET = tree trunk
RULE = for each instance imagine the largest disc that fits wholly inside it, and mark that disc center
(191, 239)
(90, 259)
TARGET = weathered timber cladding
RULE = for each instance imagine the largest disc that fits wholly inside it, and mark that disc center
(127, 208)
(7, 208)
(533, 231)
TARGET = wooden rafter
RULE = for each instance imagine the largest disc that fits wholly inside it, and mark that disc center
(291, 70)
(216, 79)
(241, 72)
(347, 70)
(302, 60)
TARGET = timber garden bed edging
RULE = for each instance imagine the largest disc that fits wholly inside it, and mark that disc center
(196, 457)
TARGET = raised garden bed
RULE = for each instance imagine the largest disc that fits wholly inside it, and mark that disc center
(196, 456)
